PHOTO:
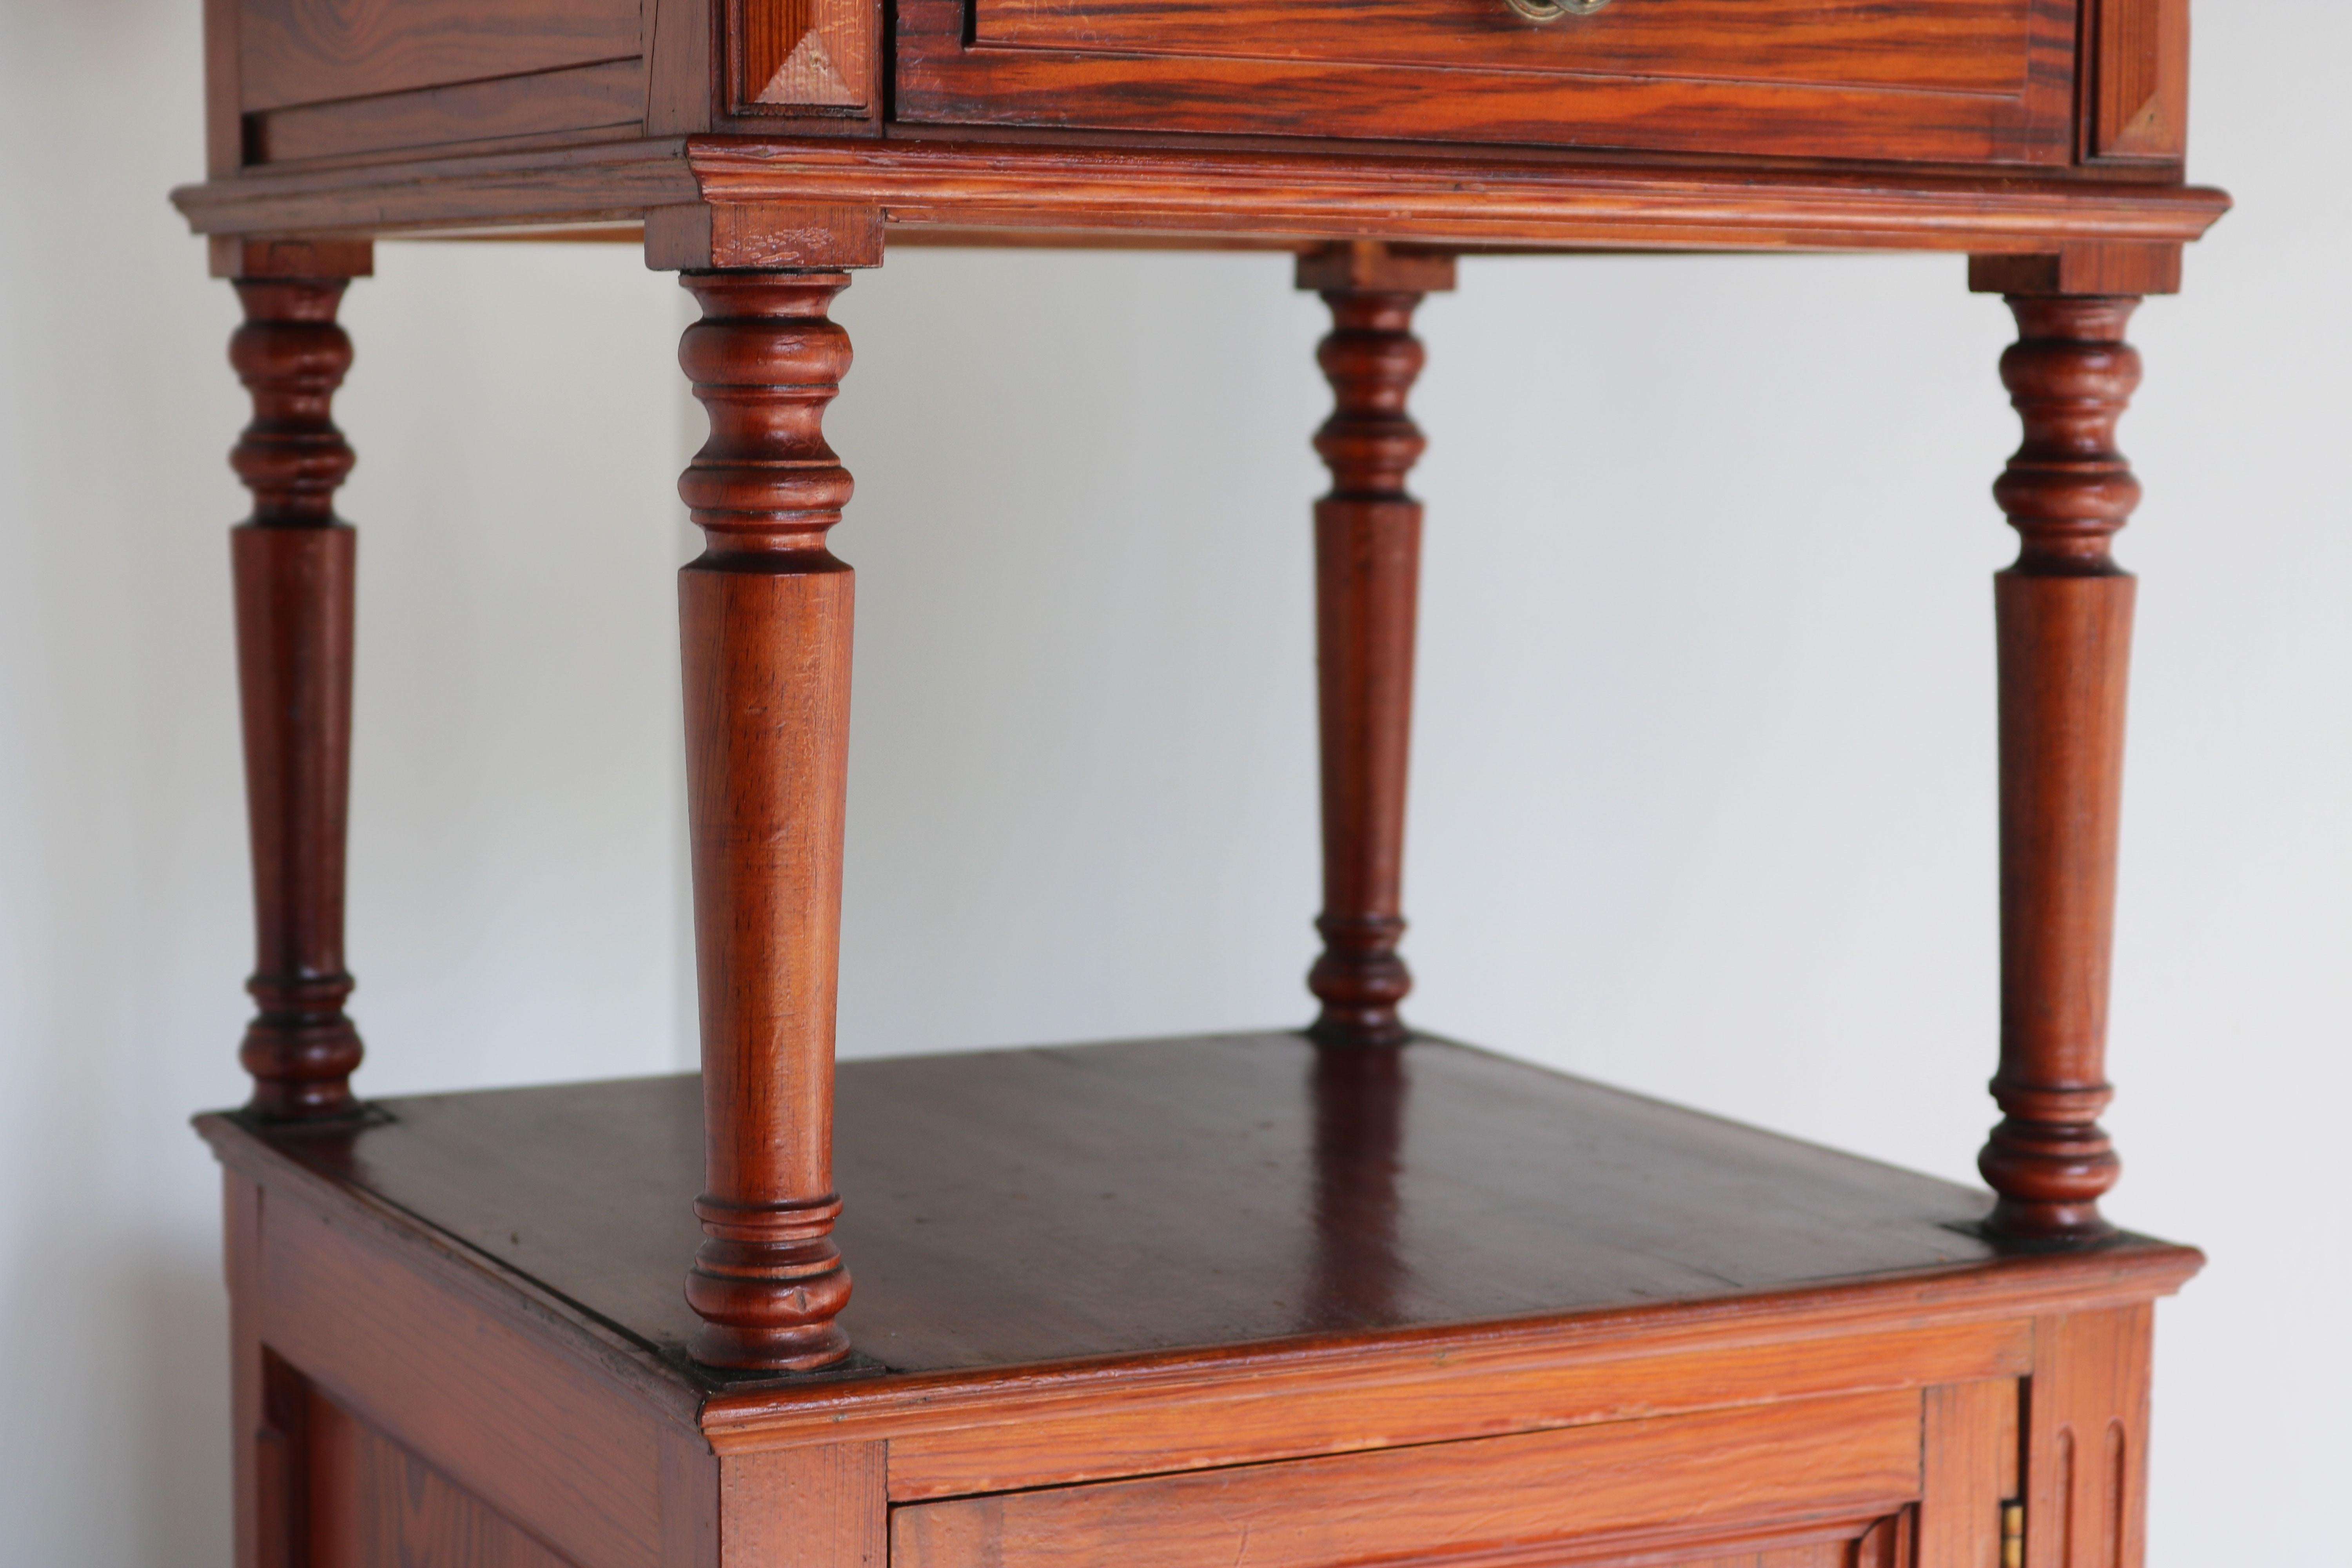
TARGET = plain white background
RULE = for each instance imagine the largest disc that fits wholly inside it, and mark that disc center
(1703, 791)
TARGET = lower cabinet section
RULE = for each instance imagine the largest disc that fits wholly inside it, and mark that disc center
(1902, 1478)
(1824, 1482)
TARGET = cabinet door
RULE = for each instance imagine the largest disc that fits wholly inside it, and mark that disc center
(1893, 1480)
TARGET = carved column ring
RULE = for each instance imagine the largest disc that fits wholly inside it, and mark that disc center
(291, 357)
(1377, 365)
(765, 362)
(765, 352)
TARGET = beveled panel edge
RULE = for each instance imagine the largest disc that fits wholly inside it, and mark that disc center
(2137, 1269)
(1448, 1396)
(1191, 195)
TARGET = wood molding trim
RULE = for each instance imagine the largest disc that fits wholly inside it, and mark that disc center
(1242, 197)
(901, 1406)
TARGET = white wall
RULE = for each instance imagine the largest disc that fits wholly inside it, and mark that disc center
(1704, 791)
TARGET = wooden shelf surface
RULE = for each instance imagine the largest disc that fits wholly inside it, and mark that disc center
(1042, 1206)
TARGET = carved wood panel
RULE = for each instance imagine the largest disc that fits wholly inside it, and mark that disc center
(793, 54)
(2086, 1440)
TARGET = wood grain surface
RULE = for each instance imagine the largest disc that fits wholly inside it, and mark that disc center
(477, 1393)
(1969, 83)
(581, 99)
(765, 622)
(1367, 589)
(803, 54)
(293, 565)
(1856, 1457)
(313, 51)
(2137, 67)
(1245, 195)
(1045, 1207)
(2063, 615)
(2086, 1440)
(1969, 1447)
(375, 1504)
(1949, 46)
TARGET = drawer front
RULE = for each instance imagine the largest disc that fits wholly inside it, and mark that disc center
(1968, 81)
(1810, 1477)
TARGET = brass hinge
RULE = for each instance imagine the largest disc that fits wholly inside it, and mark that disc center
(2012, 1535)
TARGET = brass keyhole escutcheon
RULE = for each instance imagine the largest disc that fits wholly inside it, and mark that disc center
(1553, 10)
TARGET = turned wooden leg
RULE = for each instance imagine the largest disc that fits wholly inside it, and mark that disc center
(1367, 575)
(293, 567)
(764, 616)
(2063, 614)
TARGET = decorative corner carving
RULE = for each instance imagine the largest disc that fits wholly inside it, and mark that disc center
(802, 54)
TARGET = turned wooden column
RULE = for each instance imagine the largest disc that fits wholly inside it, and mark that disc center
(293, 562)
(764, 617)
(1367, 579)
(2062, 615)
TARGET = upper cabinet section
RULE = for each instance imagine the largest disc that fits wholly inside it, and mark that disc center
(1960, 82)
(2032, 85)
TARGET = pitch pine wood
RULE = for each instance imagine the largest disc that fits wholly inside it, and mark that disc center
(802, 54)
(314, 51)
(696, 237)
(1079, 189)
(607, 99)
(371, 1279)
(1417, 1287)
(765, 616)
(2062, 615)
(1367, 582)
(1911, 80)
(1969, 1453)
(293, 570)
(819, 1506)
(1486, 1192)
(2139, 66)
(1856, 1457)
(2086, 1440)
(369, 1503)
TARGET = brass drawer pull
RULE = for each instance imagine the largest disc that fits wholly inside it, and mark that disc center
(1553, 10)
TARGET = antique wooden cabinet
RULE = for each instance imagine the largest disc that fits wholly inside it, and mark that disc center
(1341, 1296)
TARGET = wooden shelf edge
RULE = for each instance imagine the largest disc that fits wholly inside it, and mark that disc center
(984, 190)
(2134, 1269)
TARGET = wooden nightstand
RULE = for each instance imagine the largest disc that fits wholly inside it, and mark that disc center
(1303, 1300)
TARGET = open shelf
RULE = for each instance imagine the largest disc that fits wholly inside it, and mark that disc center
(1030, 1207)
